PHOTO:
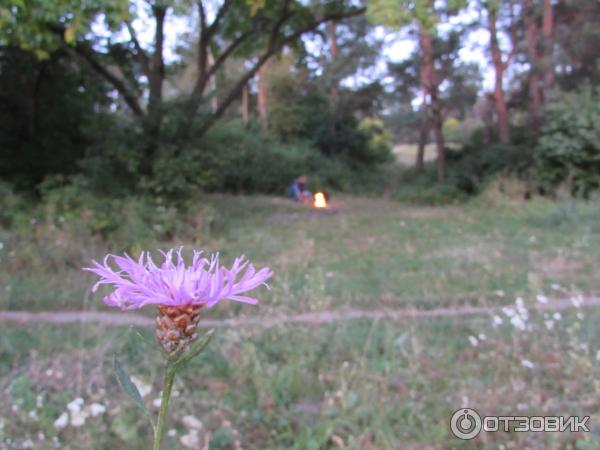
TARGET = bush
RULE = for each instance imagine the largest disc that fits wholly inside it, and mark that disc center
(379, 141)
(469, 171)
(432, 194)
(568, 150)
(474, 165)
(235, 158)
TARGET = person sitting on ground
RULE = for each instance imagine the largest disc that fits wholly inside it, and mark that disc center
(298, 191)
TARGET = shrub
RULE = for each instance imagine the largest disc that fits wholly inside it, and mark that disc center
(379, 140)
(472, 167)
(235, 158)
(568, 149)
(433, 195)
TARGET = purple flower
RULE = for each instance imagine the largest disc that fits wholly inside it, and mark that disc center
(203, 283)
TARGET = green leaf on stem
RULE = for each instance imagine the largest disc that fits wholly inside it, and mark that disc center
(192, 351)
(130, 388)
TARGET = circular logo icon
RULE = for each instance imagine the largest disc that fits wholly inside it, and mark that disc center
(465, 423)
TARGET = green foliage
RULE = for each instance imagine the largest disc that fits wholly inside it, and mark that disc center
(568, 150)
(235, 158)
(54, 115)
(130, 388)
(461, 131)
(423, 190)
(13, 207)
(379, 145)
(425, 13)
(42, 25)
(470, 169)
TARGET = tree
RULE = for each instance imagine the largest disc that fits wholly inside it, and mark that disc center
(576, 33)
(254, 29)
(494, 10)
(530, 18)
(424, 15)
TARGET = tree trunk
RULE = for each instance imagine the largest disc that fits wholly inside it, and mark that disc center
(245, 115)
(263, 112)
(153, 120)
(426, 75)
(429, 88)
(214, 101)
(487, 116)
(531, 36)
(499, 68)
(423, 137)
(437, 122)
(548, 34)
(333, 92)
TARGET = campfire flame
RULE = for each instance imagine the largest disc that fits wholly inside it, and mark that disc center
(320, 201)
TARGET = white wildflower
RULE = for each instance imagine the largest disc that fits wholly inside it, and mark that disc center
(62, 421)
(192, 422)
(577, 301)
(527, 363)
(549, 324)
(75, 405)
(555, 287)
(580, 315)
(509, 311)
(557, 316)
(541, 298)
(497, 321)
(157, 402)
(482, 337)
(78, 418)
(191, 439)
(473, 340)
(172, 432)
(499, 293)
(518, 323)
(520, 304)
(96, 409)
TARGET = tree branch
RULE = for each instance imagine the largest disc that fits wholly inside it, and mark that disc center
(284, 16)
(237, 89)
(116, 82)
(157, 73)
(228, 51)
(220, 14)
(140, 53)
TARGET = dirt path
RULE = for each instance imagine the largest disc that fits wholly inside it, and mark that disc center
(125, 319)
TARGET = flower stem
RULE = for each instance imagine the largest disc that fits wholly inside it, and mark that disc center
(164, 404)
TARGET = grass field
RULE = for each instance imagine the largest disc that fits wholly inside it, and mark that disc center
(350, 384)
